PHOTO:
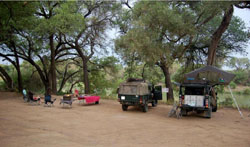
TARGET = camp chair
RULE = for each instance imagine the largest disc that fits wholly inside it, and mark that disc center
(48, 101)
(67, 99)
(25, 97)
(32, 100)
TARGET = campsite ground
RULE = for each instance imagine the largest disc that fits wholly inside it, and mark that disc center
(107, 125)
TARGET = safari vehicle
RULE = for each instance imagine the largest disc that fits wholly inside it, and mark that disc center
(197, 91)
(137, 92)
(198, 97)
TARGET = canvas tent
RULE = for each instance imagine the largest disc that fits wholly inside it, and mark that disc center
(209, 74)
(134, 88)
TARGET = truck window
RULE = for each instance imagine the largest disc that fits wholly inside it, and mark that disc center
(194, 91)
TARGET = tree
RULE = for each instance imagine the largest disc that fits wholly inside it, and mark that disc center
(11, 13)
(216, 37)
(228, 13)
(239, 63)
(6, 78)
(86, 40)
(233, 40)
(161, 32)
(46, 11)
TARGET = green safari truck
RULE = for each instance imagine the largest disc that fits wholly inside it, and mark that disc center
(137, 92)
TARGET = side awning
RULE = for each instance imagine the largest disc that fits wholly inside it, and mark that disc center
(209, 74)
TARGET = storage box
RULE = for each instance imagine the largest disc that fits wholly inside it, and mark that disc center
(187, 99)
(193, 100)
(199, 101)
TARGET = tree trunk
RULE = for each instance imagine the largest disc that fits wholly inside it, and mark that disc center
(7, 79)
(86, 77)
(217, 35)
(143, 70)
(44, 76)
(72, 85)
(52, 64)
(19, 75)
(65, 79)
(170, 94)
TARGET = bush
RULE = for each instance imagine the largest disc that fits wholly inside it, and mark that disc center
(232, 85)
(227, 102)
(246, 91)
(241, 77)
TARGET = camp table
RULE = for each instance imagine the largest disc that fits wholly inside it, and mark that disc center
(89, 99)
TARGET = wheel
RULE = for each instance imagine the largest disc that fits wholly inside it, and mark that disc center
(97, 102)
(154, 103)
(214, 109)
(124, 107)
(145, 108)
(208, 113)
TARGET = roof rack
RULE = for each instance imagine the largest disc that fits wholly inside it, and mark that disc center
(135, 80)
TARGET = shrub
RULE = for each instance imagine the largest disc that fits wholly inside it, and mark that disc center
(227, 102)
(246, 91)
(233, 85)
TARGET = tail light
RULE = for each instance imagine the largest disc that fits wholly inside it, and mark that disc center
(140, 99)
(206, 103)
(181, 100)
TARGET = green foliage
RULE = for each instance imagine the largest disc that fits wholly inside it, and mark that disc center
(241, 77)
(246, 91)
(232, 85)
(152, 26)
(225, 99)
(178, 76)
(234, 39)
(31, 79)
(239, 63)
(105, 75)
(65, 19)
(227, 102)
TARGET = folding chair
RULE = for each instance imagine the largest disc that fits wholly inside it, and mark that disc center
(48, 101)
(67, 99)
(32, 100)
(25, 96)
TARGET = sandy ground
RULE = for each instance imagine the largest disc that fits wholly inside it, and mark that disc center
(22, 124)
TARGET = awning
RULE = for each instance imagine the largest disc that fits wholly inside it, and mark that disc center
(209, 74)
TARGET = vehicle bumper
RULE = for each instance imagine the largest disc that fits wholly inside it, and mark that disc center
(129, 103)
(188, 107)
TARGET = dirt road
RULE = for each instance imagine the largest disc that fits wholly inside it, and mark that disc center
(107, 125)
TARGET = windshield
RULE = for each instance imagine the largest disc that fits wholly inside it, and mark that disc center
(194, 91)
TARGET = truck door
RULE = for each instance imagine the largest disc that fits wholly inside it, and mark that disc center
(158, 93)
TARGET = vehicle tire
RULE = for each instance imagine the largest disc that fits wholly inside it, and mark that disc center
(124, 107)
(154, 103)
(208, 113)
(183, 112)
(97, 102)
(145, 108)
(215, 107)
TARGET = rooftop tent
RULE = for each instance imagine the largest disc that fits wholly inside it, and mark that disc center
(209, 74)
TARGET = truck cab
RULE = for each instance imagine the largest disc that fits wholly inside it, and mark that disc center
(199, 97)
(138, 93)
